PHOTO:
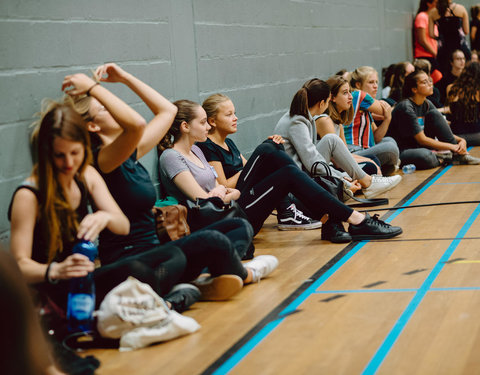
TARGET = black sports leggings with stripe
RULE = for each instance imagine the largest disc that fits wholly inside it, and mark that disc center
(269, 175)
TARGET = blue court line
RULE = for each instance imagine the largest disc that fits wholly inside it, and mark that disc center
(241, 353)
(457, 183)
(407, 290)
(420, 192)
(402, 321)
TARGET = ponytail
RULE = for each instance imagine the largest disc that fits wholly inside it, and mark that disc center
(299, 105)
(311, 93)
(185, 113)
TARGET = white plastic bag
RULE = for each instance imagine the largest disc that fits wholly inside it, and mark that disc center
(137, 315)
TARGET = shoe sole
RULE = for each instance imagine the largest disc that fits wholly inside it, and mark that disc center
(376, 236)
(300, 226)
(337, 241)
(220, 288)
(368, 196)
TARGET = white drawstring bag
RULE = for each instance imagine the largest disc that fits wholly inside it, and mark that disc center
(133, 312)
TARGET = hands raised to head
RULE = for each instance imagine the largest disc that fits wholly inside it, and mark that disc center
(110, 72)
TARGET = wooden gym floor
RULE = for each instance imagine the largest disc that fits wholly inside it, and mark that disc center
(409, 305)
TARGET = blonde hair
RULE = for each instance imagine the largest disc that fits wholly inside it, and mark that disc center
(211, 105)
(423, 64)
(57, 218)
(360, 75)
(344, 117)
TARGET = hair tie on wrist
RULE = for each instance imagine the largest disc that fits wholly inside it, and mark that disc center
(47, 274)
(90, 89)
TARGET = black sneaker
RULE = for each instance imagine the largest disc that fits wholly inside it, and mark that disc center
(182, 296)
(334, 231)
(293, 219)
(372, 228)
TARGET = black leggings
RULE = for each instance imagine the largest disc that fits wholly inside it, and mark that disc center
(269, 175)
(161, 267)
(217, 247)
(211, 248)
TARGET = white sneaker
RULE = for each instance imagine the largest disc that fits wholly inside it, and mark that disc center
(381, 184)
(262, 266)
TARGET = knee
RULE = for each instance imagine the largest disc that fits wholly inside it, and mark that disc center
(331, 139)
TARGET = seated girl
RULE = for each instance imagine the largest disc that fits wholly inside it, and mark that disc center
(363, 136)
(400, 71)
(418, 127)
(49, 212)
(122, 137)
(186, 174)
(298, 129)
(232, 168)
(464, 102)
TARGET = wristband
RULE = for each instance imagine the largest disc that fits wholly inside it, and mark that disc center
(47, 274)
(90, 89)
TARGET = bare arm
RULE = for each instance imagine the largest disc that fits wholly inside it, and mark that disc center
(423, 140)
(23, 219)
(465, 20)
(432, 17)
(382, 108)
(164, 111)
(112, 155)
(222, 179)
(109, 214)
(473, 33)
(324, 126)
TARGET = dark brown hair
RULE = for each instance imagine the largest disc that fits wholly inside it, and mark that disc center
(186, 112)
(312, 92)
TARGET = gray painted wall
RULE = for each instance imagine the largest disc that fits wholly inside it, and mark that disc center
(257, 52)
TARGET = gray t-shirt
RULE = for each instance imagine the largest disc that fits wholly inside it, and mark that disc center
(171, 163)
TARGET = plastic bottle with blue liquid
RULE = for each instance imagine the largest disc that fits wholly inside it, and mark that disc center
(81, 296)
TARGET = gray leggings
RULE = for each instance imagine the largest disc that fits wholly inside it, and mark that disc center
(331, 147)
(386, 151)
(435, 127)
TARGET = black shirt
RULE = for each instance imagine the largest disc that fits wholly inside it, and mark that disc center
(231, 159)
(133, 190)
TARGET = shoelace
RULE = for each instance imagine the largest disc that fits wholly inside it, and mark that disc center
(377, 221)
(387, 180)
(300, 214)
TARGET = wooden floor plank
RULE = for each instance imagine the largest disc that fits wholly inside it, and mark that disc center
(340, 335)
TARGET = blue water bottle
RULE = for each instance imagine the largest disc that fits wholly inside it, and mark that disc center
(81, 296)
(409, 168)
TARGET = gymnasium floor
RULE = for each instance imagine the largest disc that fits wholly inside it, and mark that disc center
(409, 305)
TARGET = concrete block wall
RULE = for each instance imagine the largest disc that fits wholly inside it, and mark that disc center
(257, 52)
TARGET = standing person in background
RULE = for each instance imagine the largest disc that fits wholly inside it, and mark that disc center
(425, 47)
(475, 28)
(453, 26)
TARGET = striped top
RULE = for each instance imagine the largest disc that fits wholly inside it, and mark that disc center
(360, 131)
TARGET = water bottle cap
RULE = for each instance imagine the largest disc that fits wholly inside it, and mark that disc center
(86, 248)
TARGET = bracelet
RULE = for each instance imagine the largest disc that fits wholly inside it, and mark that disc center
(90, 89)
(47, 275)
